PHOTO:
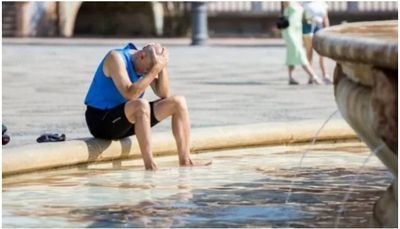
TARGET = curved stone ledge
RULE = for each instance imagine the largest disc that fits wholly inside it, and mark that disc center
(378, 46)
(31, 158)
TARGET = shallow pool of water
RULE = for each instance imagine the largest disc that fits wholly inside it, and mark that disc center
(242, 188)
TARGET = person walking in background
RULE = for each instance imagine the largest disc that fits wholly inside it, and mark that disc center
(295, 53)
(315, 18)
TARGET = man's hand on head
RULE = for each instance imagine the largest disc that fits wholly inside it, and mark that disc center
(159, 60)
(156, 45)
(161, 51)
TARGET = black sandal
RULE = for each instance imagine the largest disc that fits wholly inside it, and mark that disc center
(51, 138)
(5, 138)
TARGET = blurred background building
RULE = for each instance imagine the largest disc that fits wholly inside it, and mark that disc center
(165, 19)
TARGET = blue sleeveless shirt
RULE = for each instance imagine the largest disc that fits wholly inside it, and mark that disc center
(103, 94)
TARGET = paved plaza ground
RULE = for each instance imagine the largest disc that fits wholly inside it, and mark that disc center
(229, 82)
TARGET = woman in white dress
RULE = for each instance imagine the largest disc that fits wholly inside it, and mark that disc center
(315, 18)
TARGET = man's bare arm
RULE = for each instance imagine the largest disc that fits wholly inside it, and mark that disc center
(115, 68)
(160, 86)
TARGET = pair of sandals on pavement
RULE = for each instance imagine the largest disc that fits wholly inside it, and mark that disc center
(49, 137)
(52, 137)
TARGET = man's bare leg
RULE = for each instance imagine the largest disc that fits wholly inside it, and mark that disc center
(138, 112)
(176, 107)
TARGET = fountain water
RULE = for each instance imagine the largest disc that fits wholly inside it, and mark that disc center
(231, 193)
(354, 181)
(305, 152)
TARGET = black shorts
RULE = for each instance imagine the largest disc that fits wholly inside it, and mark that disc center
(112, 123)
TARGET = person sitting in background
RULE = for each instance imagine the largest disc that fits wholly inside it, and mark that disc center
(116, 108)
(315, 18)
(292, 35)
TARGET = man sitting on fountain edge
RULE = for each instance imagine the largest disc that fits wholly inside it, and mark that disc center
(116, 108)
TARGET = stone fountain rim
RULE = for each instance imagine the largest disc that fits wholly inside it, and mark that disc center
(79, 152)
(346, 47)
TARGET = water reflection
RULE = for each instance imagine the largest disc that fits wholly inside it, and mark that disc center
(249, 204)
(244, 188)
(315, 138)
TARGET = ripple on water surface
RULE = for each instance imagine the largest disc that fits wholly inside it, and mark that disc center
(242, 188)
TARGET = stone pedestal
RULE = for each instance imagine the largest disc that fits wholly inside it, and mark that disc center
(365, 82)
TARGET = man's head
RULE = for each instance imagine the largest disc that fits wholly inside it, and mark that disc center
(144, 61)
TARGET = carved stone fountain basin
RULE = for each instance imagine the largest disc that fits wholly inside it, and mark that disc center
(365, 87)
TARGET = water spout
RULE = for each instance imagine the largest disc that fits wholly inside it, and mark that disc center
(354, 181)
(305, 152)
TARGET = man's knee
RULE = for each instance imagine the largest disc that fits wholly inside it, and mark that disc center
(139, 107)
(180, 102)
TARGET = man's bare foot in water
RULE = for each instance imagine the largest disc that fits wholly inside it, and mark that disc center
(195, 163)
(151, 166)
